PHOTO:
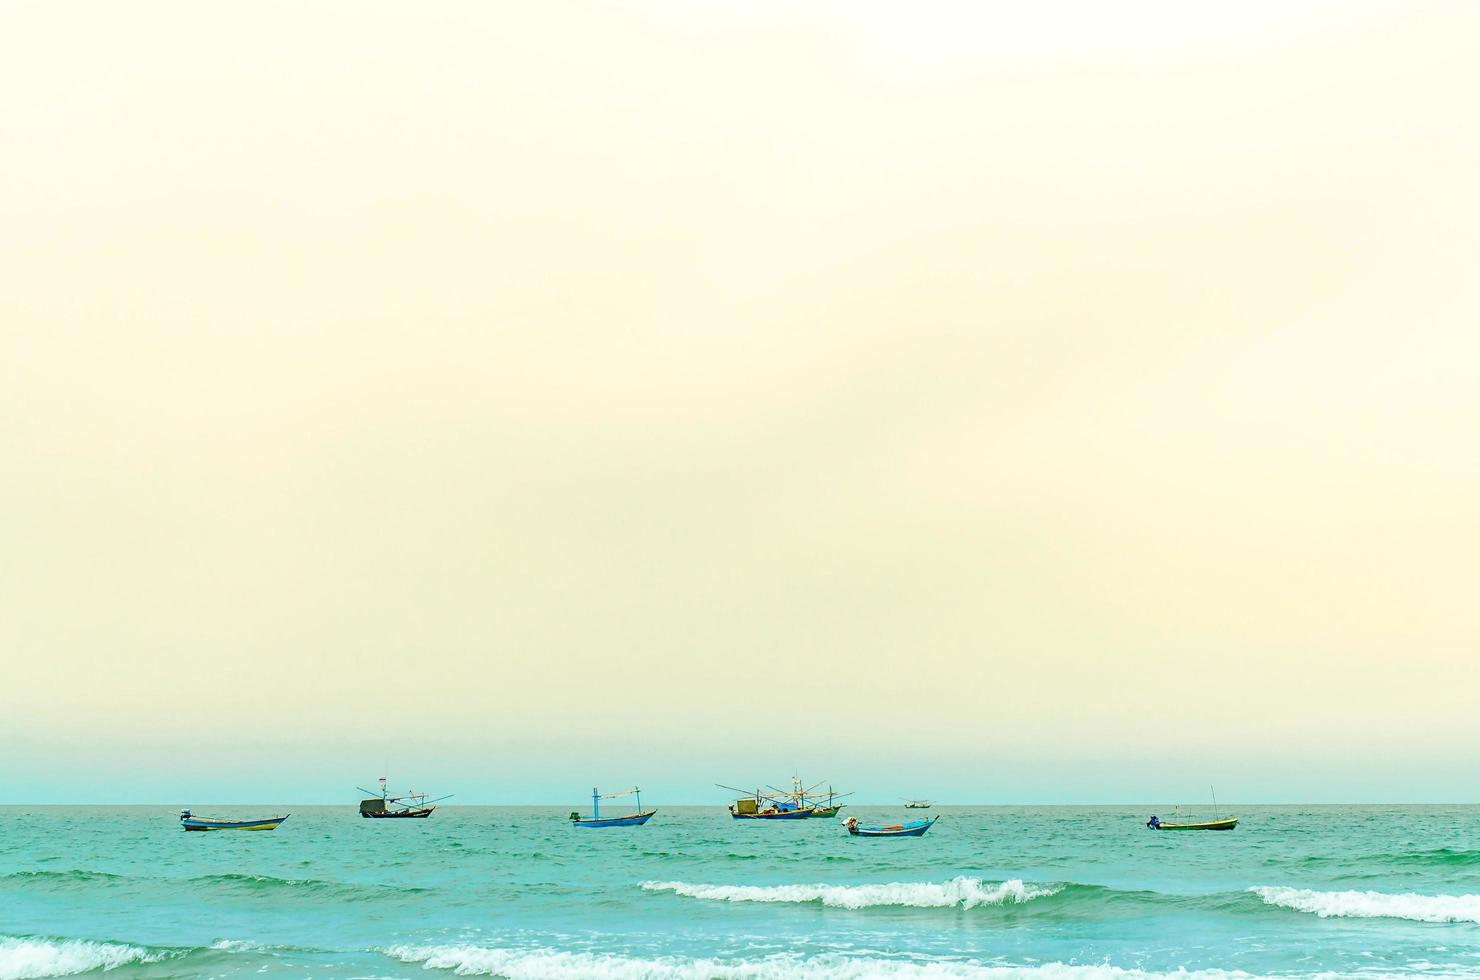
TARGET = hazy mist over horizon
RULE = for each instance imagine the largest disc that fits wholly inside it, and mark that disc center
(997, 404)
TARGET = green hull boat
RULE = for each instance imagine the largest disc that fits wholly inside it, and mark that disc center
(1228, 824)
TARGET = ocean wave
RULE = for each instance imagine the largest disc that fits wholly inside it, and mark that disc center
(1374, 905)
(551, 964)
(248, 884)
(959, 892)
(25, 958)
(76, 876)
(1432, 857)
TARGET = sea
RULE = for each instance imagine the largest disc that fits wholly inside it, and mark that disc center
(1032, 892)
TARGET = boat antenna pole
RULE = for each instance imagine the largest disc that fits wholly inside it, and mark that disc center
(1215, 801)
(595, 804)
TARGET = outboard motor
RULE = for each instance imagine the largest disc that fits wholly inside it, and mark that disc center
(1154, 822)
(186, 814)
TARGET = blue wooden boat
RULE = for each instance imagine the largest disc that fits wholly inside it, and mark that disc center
(740, 811)
(597, 820)
(189, 821)
(915, 828)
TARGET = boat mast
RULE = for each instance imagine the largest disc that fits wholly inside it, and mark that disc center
(595, 804)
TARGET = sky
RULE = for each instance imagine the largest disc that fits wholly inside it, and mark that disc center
(1001, 403)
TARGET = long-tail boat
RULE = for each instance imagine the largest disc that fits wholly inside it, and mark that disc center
(597, 820)
(1177, 823)
(411, 806)
(915, 828)
(189, 821)
(1156, 824)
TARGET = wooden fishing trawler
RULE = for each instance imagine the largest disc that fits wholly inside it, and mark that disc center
(915, 828)
(411, 806)
(821, 805)
(761, 806)
(597, 820)
(798, 803)
(918, 804)
(189, 821)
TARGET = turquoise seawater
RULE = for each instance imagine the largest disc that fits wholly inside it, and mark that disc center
(516, 892)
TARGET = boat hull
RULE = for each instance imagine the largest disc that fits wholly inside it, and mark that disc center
(421, 814)
(205, 823)
(1229, 824)
(772, 815)
(631, 820)
(915, 829)
(825, 811)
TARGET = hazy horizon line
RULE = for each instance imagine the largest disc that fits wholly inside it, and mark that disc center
(704, 806)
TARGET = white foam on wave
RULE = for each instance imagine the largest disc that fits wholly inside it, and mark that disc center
(1374, 905)
(21, 959)
(963, 892)
(550, 964)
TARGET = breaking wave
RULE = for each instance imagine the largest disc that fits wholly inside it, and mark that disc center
(1374, 905)
(25, 958)
(957, 892)
(551, 964)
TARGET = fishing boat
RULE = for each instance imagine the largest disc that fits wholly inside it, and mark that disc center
(763, 806)
(918, 804)
(810, 798)
(824, 806)
(189, 821)
(411, 806)
(1156, 823)
(915, 828)
(597, 820)
(751, 809)
(1177, 823)
(798, 803)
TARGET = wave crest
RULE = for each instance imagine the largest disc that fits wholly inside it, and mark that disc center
(1374, 905)
(957, 892)
(25, 958)
(550, 964)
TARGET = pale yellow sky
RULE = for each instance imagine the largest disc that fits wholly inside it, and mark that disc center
(1015, 383)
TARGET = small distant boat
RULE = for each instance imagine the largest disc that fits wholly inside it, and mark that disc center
(189, 821)
(1156, 823)
(597, 820)
(915, 828)
(918, 804)
(411, 806)
(1217, 823)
